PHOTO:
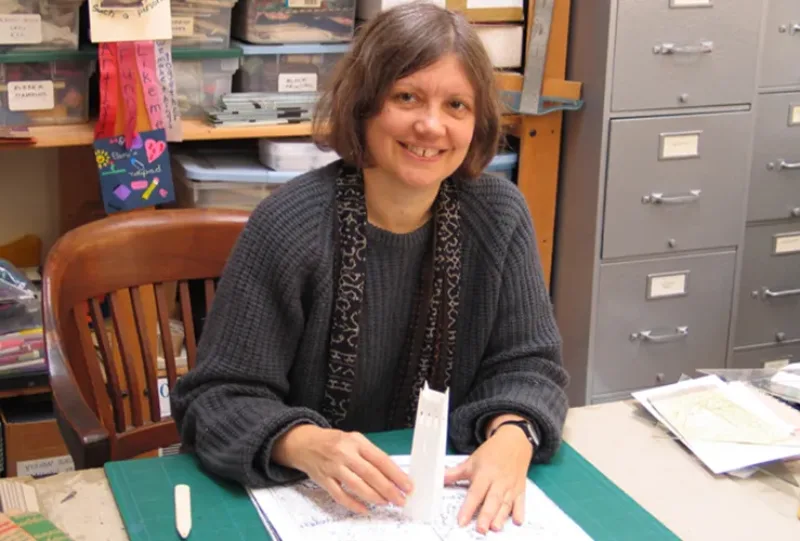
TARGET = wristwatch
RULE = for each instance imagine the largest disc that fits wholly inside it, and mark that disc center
(526, 426)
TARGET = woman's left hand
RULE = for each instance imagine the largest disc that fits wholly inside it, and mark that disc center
(497, 471)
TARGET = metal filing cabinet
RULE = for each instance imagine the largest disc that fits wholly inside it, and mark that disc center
(653, 196)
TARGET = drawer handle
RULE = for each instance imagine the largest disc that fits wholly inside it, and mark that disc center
(648, 336)
(792, 28)
(704, 47)
(660, 198)
(780, 165)
(769, 294)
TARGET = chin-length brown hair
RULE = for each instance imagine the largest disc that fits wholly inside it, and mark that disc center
(393, 45)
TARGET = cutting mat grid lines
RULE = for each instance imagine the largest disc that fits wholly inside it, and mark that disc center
(222, 511)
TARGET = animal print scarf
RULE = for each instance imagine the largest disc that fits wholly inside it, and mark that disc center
(431, 346)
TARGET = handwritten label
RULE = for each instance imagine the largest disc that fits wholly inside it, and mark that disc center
(31, 96)
(151, 87)
(304, 3)
(45, 466)
(20, 29)
(669, 285)
(680, 146)
(297, 82)
(169, 94)
(787, 244)
(182, 27)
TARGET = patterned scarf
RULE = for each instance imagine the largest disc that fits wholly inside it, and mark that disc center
(431, 347)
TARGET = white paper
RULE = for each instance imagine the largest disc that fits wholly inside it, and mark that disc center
(668, 285)
(789, 376)
(680, 146)
(787, 244)
(21, 28)
(486, 4)
(304, 511)
(795, 115)
(182, 27)
(31, 96)
(722, 457)
(152, 21)
(297, 82)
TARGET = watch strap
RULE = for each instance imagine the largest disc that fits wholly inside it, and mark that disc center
(528, 428)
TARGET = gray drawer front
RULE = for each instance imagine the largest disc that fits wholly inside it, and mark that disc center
(626, 362)
(647, 79)
(775, 188)
(781, 49)
(676, 183)
(770, 266)
(756, 358)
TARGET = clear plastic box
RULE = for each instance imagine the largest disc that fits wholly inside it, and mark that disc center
(202, 23)
(208, 179)
(202, 77)
(42, 88)
(39, 24)
(294, 21)
(296, 154)
(287, 68)
(504, 165)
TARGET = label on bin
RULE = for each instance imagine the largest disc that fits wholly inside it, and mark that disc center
(182, 27)
(31, 96)
(23, 28)
(303, 3)
(297, 82)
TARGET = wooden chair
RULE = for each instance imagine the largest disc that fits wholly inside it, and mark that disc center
(133, 265)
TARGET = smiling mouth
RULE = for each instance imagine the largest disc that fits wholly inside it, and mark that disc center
(422, 152)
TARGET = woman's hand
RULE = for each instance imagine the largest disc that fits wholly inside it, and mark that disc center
(342, 462)
(497, 471)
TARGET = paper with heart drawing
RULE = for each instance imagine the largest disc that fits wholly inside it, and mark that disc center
(137, 177)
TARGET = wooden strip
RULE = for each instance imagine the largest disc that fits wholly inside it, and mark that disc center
(118, 300)
(162, 308)
(148, 359)
(208, 283)
(102, 403)
(188, 324)
(112, 375)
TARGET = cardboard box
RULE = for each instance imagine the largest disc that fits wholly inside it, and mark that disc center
(484, 11)
(32, 442)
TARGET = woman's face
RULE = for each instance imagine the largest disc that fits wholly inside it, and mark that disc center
(424, 129)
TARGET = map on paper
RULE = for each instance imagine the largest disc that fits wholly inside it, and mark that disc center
(303, 511)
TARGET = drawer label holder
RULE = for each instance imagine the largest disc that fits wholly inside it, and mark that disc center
(667, 285)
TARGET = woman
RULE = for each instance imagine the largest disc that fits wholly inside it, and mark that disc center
(358, 282)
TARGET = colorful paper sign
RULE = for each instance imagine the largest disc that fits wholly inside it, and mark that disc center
(135, 177)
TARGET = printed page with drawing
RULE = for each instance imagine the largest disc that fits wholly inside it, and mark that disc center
(303, 511)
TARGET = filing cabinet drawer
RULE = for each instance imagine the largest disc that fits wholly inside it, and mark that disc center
(775, 177)
(685, 53)
(781, 48)
(769, 291)
(676, 183)
(763, 357)
(660, 318)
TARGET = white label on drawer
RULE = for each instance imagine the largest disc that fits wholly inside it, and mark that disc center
(21, 28)
(680, 145)
(45, 466)
(497, 4)
(31, 96)
(777, 364)
(794, 115)
(787, 244)
(689, 3)
(303, 3)
(182, 26)
(666, 285)
(297, 82)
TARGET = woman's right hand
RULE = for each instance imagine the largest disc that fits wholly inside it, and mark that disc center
(345, 464)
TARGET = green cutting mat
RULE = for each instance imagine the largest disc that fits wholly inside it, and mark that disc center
(222, 511)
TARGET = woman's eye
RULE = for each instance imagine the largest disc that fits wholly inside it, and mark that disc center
(405, 97)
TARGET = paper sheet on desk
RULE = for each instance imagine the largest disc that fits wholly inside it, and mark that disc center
(723, 457)
(303, 511)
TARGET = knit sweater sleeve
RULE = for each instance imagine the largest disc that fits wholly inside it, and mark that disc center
(230, 408)
(521, 371)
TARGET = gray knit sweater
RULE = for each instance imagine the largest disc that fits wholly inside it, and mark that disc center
(262, 357)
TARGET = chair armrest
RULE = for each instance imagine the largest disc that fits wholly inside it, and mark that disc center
(86, 438)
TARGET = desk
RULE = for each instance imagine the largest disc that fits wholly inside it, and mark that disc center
(654, 470)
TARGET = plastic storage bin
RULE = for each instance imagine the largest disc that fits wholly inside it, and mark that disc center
(202, 76)
(208, 179)
(293, 21)
(299, 154)
(287, 68)
(504, 165)
(202, 23)
(39, 24)
(40, 88)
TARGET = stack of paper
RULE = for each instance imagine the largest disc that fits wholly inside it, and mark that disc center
(726, 425)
